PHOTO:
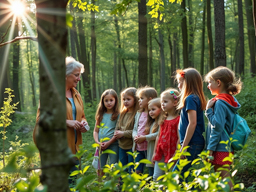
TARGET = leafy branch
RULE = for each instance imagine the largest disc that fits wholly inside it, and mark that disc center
(5, 112)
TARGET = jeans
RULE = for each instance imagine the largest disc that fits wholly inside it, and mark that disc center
(150, 171)
(112, 157)
(124, 158)
(194, 150)
(157, 171)
(140, 156)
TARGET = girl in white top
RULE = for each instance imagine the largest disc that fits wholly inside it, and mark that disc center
(155, 117)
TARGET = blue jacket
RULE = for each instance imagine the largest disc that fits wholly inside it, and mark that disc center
(220, 117)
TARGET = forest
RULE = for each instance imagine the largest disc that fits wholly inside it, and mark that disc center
(121, 43)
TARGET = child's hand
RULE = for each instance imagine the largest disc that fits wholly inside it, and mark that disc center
(104, 146)
(153, 157)
(210, 103)
(140, 139)
(119, 134)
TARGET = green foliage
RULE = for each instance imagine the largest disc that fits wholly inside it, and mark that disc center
(84, 5)
(247, 99)
(5, 112)
(7, 109)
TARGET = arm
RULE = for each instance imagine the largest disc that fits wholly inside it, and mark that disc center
(217, 119)
(153, 156)
(192, 118)
(151, 136)
(135, 127)
(96, 133)
(157, 138)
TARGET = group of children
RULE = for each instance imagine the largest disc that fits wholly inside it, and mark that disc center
(155, 126)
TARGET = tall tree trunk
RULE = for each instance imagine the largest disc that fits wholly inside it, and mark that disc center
(184, 34)
(115, 67)
(16, 68)
(219, 19)
(254, 14)
(241, 36)
(85, 60)
(162, 60)
(172, 59)
(209, 32)
(142, 38)
(174, 52)
(72, 33)
(30, 71)
(251, 35)
(93, 50)
(203, 40)
(150, 74)
(56, 157)
(126, 73)
(119, 68)
(178, 51)
(191, 36)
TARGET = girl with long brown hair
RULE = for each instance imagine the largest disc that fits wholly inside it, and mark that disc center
(192, 103)
(106, 119)
(123, 133)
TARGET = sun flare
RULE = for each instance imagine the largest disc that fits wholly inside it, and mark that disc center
(18, 8)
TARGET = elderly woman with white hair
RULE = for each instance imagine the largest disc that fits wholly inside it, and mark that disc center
(76, 122)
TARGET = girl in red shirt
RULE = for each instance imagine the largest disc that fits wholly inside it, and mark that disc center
(168, 139)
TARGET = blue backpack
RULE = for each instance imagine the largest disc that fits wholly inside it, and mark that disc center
(240, 132)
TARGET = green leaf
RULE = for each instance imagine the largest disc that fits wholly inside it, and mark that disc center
(109, 151)
(69, 19)
(145, 161)
(85, 169)
(12, 166)
(105, 139)
(94, 145)
(76, 172)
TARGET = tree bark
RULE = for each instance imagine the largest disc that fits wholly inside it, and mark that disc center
(209, 32)
(241, 36)
(93, 51)
(150, 74)
(191, 36)
(162, 60)
(219, 19)
(85, 60)
(251, 35)
(72, 33)
(184, 34)
(56, 157)
(119, 68)
(16, 68)
(115, 67)
(142, 38)
(254, 14)
(203, 40)
(30, 71)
